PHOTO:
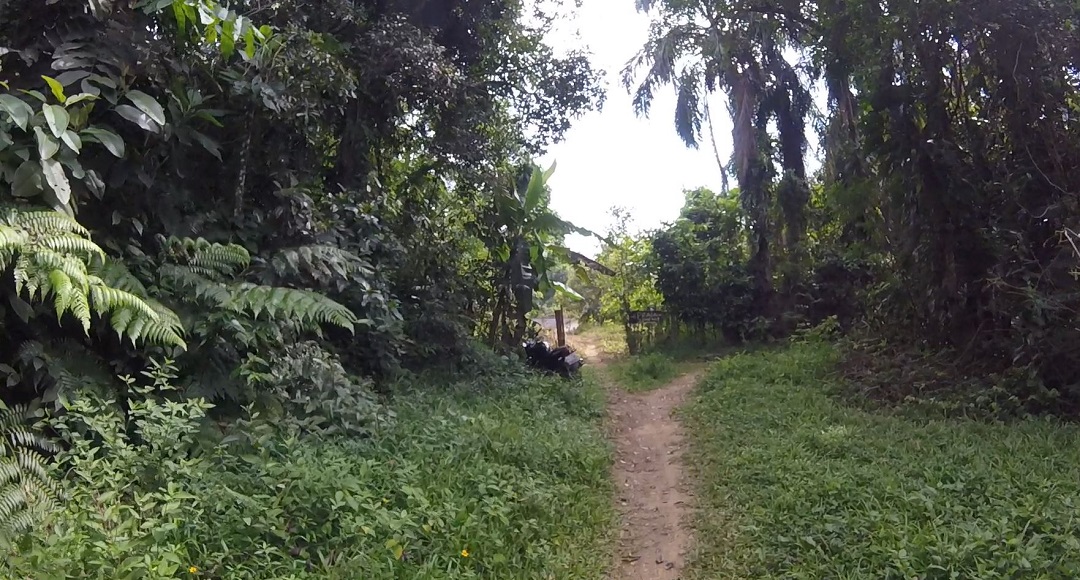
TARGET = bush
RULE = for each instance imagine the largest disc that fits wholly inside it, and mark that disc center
(506, 479)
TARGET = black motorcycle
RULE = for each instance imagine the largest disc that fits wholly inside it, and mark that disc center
(562, 360)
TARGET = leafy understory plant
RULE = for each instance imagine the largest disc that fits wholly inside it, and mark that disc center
(127, 511)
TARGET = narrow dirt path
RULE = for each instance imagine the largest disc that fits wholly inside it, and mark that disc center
(651, 494)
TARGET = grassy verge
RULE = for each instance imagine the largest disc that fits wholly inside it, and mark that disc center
(502, 477)
(798, 485)
(644, 372)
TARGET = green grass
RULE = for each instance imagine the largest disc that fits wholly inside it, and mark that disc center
(645, 372)
(500, 477)
(797, 485)
(610, 338)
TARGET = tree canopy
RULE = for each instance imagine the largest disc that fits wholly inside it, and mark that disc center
(945, 205)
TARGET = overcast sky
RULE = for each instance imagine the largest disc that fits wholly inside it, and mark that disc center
(612, 157)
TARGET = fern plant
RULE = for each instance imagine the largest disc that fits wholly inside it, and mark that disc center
(27, 492)
(52, 257)
(208, 271)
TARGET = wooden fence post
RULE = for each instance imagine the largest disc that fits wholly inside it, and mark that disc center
(560, 328)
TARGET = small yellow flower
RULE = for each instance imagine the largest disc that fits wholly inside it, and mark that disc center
(465, 553)
(193, 570)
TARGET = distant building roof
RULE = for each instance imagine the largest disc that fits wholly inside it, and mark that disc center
(577, 258)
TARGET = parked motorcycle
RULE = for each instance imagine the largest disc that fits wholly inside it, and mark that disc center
(562, 360)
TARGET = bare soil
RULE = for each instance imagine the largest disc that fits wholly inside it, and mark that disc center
(652, 494)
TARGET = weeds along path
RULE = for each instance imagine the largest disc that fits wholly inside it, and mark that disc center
(652, 494)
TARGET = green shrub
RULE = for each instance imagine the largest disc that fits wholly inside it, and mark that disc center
(503, 479)
(798, 485)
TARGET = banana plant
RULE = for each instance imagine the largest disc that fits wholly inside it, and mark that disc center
(531, 247)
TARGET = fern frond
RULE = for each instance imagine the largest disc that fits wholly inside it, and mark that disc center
(325, 264)
(27, 491)
(47, 222)
(136, 318)
(53, 257)
(203, 288)
(206, 258)
(114, 274)
(45, 260)
(306, 308)
(70, 244)
(108, 299)
(12, 239)
(166, 329)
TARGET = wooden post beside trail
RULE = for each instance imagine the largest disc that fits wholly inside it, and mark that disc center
(560, 328)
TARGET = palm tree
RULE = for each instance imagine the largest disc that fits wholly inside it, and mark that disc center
(700, 48)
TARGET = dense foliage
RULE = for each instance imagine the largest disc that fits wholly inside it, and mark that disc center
(290, 202)
(631, 282)
(943, 214)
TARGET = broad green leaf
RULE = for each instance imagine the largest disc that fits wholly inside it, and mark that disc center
(95, 184)
(17, 109)
(110, 140)
(249, 42)
(208, 144)
(22, 308)
(57, 117)
(535, 192)
(566, 291)
(138, 117)
(27, 180)
(561, 251)
(36, 94)
(549, 172)
(148, 105)
(211, 116)
(57, 180)
(68, 78)
(47, 146)
(502, 252)
(72, 140)
(80, 98)
(228, 42)
(73, 165)
(79, 115)
(181, 16)
(56, 88)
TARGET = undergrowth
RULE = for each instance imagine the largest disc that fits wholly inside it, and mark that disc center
(645, 372)
(880, 375)
(798, 484)
(504, 476)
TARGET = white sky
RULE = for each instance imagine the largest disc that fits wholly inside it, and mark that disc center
(612, 157)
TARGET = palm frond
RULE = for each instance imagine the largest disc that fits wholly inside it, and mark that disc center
(688, 109)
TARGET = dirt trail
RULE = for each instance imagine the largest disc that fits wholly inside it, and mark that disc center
(652, 497)
(651, 493)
